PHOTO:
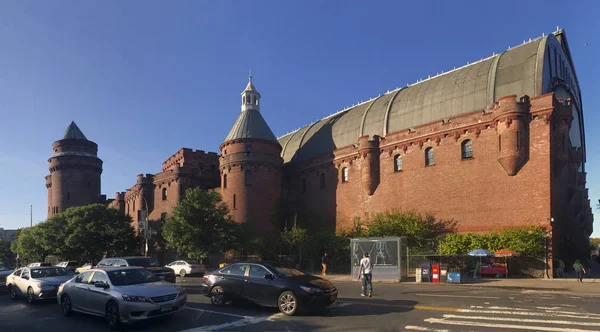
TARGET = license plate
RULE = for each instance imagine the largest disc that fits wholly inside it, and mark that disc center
(166, 307)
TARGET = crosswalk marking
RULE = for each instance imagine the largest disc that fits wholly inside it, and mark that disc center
(548, 319)
(525, 320)
(505, 326)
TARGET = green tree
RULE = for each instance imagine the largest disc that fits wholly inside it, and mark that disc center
(295, 236)
(6, 255)
(200, 224)
(27, 245)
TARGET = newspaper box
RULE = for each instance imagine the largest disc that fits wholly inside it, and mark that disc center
(435, 273)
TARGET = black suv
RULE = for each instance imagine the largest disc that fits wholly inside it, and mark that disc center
(149, 263)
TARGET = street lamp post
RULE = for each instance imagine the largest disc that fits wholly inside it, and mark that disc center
(146, 228)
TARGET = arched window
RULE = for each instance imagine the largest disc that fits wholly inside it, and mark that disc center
(397, 163)
(345, 174)
(303, 186)
(429, 157)
(466, 149)
(164, 194)
(224, 181)
(243, 99)
(248, 178)
(322, 181)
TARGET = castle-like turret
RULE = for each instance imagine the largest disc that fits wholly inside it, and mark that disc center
(368, 150)
(251, 165)
(75, 171)
(512, 118)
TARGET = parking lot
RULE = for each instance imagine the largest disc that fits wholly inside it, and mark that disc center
(394, 307)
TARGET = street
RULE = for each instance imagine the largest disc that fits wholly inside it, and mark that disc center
(394, 307)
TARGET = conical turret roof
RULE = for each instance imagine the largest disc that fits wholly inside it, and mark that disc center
(250, 124)
(73, 132)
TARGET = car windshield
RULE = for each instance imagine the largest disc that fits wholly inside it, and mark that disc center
(49, 272)
(288, 271)
(131, 277)
(143, 262)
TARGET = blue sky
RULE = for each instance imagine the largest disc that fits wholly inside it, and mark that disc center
(145, 78)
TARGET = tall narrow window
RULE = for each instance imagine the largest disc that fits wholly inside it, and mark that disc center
(429, 160)
(164, 194)
(225, 181)
(243, 99)
(397, 163)
(248, 178)
(499, 143)
(234, 201)
(322, 180)
(303, 186)
(466, 148)
(345, 174)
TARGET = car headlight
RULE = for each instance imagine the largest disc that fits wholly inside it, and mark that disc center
(133, 298)
(311, 289)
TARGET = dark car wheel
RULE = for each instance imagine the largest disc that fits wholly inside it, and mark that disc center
(217, 295)
(182, 273)
(13, 292)
(67, 306)
(112, 314)
(287, 303)
(30, 295)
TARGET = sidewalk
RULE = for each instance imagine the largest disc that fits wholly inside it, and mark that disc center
(590, 286)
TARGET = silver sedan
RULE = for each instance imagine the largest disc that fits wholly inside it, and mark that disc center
(121, 295)
(36, 283)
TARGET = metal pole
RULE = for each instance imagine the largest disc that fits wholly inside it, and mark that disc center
(145, 227)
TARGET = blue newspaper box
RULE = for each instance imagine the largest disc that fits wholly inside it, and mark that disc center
(454, 277)
(426, 272)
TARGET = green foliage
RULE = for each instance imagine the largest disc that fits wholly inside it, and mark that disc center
(200, 224)
(525, 240)
(82, 233)
(6, 256)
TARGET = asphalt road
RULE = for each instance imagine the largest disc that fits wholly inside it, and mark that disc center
(393, 307)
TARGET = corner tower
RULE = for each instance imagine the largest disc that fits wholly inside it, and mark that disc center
(251, 166)
(75, 171)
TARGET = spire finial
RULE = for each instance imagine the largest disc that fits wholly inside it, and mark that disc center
(250, 75)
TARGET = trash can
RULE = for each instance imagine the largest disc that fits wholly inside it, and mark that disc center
(435, 273)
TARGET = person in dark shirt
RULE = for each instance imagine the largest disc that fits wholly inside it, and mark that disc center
(324, 262)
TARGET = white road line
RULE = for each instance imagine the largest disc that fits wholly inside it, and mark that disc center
(237, 323)
(504, 326)
(421, 328)
(524, 320)
(467, 296)
(530, 313)
(221, 313)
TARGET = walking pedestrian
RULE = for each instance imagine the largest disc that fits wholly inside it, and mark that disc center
(579, 270)
(324, 262)
(366, 270)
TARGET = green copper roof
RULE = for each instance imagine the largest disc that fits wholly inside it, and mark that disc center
(250, 124)
(73, 132)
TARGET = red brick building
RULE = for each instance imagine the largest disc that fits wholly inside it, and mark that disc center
(498, 142)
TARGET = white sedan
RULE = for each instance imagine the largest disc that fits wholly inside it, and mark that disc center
(183, 268)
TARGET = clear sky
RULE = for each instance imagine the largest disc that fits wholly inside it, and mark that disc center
(145, 78)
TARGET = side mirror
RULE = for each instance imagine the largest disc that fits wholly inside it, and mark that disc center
(100, 284)
(269, 276)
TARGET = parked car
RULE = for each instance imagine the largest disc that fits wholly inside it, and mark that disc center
(36, 283)
(4, 272)
(69, 265)
(85, 267)
(37, 264)
(149, 263)
(269, 284)
(121, 295)
(185, 267)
